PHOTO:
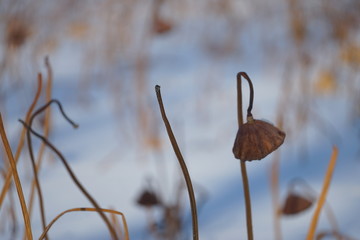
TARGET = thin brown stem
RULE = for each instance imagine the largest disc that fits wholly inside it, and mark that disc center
(67, 166)
(182, 165)
(16, 180)
(242, 163)
(88, 210)
(46, 128)
(8, 176)
(251, 99)
(322, 198)
(35, 171)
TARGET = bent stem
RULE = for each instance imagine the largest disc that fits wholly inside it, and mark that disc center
(67, 166)
(182, 164)
(87, 210)
(242, 163)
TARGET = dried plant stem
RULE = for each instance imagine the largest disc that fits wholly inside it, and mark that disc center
(37, 164)
(274, 179)
(274, 184)
(242, 163)
(117, 226)
(87, 210)
(47, 122)
(16, 180)
(8, 176)
(182, 165)
(67, 166)
(35, 171)
(322, 198)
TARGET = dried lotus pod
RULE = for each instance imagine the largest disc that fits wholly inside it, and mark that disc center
(148, 199)
(256, 139)
(162, 26)
(295, 203)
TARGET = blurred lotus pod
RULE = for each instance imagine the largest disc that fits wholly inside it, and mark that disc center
(256, 139)
(295, 204)
(148, 199)
(162, 26)
(17, 32)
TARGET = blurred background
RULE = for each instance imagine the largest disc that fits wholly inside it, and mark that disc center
(105, 59)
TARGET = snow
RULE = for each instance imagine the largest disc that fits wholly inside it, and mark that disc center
(199, 94)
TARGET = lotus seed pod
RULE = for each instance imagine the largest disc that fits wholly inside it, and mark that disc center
(295, 203)
(256, 139)
(148, 199)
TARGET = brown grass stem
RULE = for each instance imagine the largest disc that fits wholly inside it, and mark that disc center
(35, 172)
(87, 210)
(274, 185)
(182, 164)
(323, 194)
(242, 163)
(67, 166)
(16, 180)
(47, 121)
(274, 180)
(8, 176)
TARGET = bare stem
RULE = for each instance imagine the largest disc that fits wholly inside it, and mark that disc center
(242, 163)
(67, 166)
(322, 198)
(251, 99)
(7, 183)
(16, 180)
(182, 164)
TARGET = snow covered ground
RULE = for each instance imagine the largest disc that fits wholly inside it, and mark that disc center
(199, 93)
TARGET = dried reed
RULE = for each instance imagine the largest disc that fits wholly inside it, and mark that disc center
(87, 210)
(322, 198)
(8, 176)
(67, 166)
(16, 180)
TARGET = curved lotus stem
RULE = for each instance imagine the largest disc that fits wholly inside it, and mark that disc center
(251, 100)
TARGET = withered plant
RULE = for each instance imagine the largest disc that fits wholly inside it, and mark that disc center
(254, 141)
(182, 163)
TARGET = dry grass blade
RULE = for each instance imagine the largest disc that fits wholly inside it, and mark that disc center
(67, 166)
(16, 180)
(117, 226)
(21, 141)
(87, 210)
(182, 164)
(322, 198)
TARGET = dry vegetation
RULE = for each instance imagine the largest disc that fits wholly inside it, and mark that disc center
(319, 57)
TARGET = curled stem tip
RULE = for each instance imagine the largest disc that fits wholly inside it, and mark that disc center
(41, 109)
(251, 100)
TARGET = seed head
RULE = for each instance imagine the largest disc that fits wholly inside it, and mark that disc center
(295, 203)
(148, 199)
(256, 139)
